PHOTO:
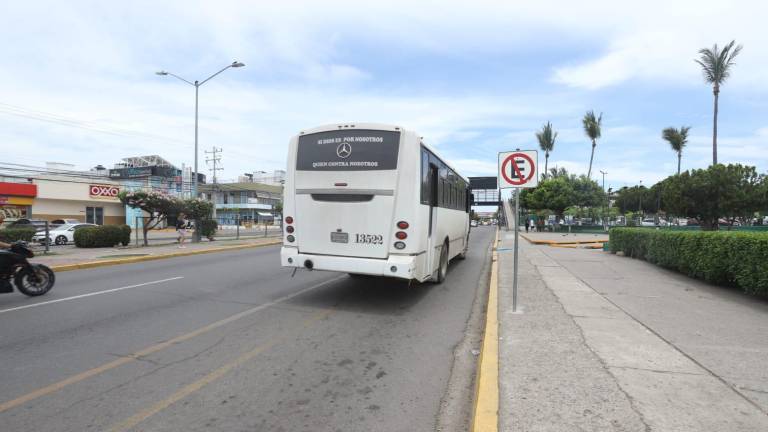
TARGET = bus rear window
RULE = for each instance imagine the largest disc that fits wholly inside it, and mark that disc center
(348, 150)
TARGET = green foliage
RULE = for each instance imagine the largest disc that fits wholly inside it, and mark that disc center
(593, 129)
(726, 258)
(197, 209)
(546, 138)
(732, 191)
(677, 138)
(716, 63)
(10, 235)
(102, 236)
(561, 192)
(208, 228)
(125, 235)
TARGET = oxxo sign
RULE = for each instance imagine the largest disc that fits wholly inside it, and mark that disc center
(103, 191)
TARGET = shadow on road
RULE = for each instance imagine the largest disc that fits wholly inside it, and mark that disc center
(366, 294)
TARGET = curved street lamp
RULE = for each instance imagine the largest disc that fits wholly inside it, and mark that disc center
(197, 84)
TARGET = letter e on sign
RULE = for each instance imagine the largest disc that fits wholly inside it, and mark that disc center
(519, 169)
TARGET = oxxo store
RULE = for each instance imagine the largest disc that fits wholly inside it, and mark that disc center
(87, 202)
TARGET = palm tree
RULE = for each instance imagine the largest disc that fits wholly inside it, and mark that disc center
(677, 138)
(716, 65)
(546, 137)
(592, 127)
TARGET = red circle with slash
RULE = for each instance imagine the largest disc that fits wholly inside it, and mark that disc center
(520, 179)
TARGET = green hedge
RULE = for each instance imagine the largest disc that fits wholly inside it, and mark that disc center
(103, 236)
(10, 235)
(725, 258)
(208, 228)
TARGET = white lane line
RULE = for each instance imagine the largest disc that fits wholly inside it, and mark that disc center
(91, 294)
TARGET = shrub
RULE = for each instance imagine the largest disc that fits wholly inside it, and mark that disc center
(10, 235)
(727, 258)
(125, 235)
(208, 228)
(102, 236)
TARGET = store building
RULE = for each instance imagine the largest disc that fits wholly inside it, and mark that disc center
(247, 201)
(16, 198)
(83, 199)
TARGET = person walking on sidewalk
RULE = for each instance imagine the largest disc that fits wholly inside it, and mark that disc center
(181, 229)
(527, 224)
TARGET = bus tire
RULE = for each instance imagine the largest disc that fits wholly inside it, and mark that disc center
(442, 269)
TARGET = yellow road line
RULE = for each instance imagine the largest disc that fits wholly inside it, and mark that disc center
(486, 410)
(147, 351)
(130, 260)
(189, 389)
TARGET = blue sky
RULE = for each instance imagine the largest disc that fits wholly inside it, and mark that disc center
(77, 80)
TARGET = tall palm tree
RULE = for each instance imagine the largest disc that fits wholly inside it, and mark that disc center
(546, 137)
(592, 127)
(677, 138)
(716, 65)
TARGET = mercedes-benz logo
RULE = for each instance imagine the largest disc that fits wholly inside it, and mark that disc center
(344, 150)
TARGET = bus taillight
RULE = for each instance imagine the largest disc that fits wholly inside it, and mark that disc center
(399, 245)
(402, 225)
(288, 220)
(401, 235)
(289, 229)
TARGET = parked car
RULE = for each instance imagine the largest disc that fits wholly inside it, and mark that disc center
(38, 224)
(65, 222)
(473, 223)
(61, 235)
(648, 222)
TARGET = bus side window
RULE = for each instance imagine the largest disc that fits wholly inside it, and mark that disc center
(425, 181)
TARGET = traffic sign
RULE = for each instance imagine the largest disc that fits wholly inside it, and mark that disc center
(518, 169)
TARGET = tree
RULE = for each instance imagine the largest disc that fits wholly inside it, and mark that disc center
(593, 129)
(716, 66)
(677, 138)
(733, 192)
(546, 137)
(158, 207)
(562, 192)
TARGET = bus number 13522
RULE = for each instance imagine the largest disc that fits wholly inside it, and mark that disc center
(369, 238)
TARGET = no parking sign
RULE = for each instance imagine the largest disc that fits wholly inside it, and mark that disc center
(518, 169)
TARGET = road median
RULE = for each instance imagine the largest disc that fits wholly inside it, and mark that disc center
(132, 258)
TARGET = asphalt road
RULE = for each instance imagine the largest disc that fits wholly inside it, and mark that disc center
(232, 342)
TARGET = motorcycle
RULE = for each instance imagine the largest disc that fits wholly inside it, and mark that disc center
(31, 279)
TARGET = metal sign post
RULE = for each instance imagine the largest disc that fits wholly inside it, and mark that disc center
(517, 170)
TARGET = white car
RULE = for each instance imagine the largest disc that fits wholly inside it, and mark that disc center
(473, 223)
(60, 235)
(648, 222)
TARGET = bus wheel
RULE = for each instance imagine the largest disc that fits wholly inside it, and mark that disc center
(442, 271)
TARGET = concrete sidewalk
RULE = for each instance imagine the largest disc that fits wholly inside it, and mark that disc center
(607, 343)
(63, 258)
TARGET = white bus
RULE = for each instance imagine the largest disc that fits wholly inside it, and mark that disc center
(372, 199)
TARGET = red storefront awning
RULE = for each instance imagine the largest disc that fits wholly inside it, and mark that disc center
(18, 189)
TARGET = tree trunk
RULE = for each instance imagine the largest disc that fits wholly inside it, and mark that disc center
(679, 155)
(716, 92)
(546, 163)
(591, 157)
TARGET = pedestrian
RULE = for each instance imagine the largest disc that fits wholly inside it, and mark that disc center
(527, 224)
(181, 229)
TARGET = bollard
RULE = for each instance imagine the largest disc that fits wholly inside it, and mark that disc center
(237, 224)
(136, 230)
(265, 230)
(47, 238)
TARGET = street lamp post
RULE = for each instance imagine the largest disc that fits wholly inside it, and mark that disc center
(197, 84)
(640, 204)
(605, 224)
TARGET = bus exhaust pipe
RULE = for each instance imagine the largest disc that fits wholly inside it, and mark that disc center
(308, 264)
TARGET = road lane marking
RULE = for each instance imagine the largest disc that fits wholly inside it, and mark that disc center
(212, 376)
(486, 409)
(90, 294)
(151, 350)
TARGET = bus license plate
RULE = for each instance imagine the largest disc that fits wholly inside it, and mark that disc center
(340, 237)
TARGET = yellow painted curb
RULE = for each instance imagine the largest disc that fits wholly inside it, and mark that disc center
(110, 262)
(485, 417)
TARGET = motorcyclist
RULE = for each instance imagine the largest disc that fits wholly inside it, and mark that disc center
(5, 277)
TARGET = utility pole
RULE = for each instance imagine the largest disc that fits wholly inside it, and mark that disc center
(216, 159)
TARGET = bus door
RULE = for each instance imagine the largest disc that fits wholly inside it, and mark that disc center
(433, 255)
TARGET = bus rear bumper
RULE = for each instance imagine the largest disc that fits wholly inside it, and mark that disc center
(399, 266)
